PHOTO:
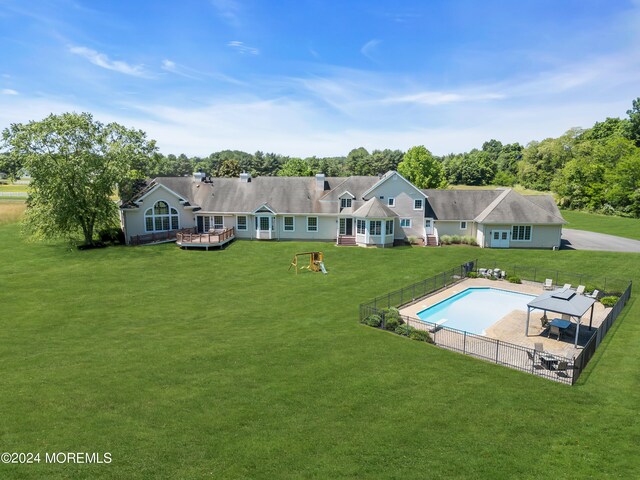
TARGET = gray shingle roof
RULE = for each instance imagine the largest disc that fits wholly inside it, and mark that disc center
(492, 206)
(374, 208)
(458, 204)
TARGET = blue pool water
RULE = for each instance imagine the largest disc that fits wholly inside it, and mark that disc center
(475, 309)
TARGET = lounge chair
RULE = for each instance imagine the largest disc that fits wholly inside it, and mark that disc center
(548, 284)
(567, 286)
(580, 289)
(595, 294)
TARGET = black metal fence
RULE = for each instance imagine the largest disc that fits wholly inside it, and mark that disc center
(544, 364)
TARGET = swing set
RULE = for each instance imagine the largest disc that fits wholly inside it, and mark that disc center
(316, 263)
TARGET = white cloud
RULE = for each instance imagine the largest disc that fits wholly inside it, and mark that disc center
(229, 10)
(8, 91)
(168, 65)
(242, 48)
(442, 98)
(368, 48)
(102, 60)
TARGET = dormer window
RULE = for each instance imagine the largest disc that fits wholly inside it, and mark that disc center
(345, 203)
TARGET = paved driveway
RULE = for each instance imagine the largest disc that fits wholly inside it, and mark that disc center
(583, 240)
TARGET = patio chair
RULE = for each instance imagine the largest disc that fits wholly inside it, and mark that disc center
(580, 289)
(544, 321)
(538, 347)
(548, 284)
(553, 330)
(567, 286)
(595, 294)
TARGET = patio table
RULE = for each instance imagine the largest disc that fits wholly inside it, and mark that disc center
(560, 323)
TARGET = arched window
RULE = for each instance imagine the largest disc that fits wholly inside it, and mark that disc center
(161, 217)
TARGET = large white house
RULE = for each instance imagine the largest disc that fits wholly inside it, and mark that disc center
(357, 210)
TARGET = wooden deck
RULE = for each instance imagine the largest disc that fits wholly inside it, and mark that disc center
(215, 239)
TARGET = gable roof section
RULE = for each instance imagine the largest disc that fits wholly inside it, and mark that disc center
(374, 208)
(355, 185)
(457, 204)
(387, 176)
(511, 207)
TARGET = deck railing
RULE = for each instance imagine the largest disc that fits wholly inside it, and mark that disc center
(211, 238)
(155, 237)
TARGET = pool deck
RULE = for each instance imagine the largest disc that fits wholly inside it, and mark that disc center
(510, 328)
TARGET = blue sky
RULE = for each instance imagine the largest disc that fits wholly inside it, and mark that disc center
(310, 77)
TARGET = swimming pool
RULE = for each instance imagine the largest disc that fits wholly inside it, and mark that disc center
(475, 309)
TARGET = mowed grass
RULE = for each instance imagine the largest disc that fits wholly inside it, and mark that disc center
(621, 226)
(223, 364)
(13, 188)
(11, 211)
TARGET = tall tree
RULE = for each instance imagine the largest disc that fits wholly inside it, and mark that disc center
(229, 168)
(358, 162)
(633, 127)
(295, 167)
(11, 165)
(76, 165)
(421, 168)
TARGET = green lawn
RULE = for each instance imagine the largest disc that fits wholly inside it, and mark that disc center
(222, 364)
(621, 226)
(14, 188)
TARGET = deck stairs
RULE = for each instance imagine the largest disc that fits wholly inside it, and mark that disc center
(432, 241)
(346, 240)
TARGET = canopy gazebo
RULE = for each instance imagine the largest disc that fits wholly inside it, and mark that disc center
(564, 301)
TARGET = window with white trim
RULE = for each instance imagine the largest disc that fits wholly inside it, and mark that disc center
(389, 227)
(417, 204)
(391, 201)
(289, 224)
(312, 224)
(360, 227)
(241, 222)
(521, 233)
(405, 222)
(345, 203)
(375, 226)
(161, 217)
(463, 225)
(218, 222)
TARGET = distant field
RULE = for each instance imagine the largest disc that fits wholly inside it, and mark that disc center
(13, 188)
(620, 226)
(517, 188)
(11, 211)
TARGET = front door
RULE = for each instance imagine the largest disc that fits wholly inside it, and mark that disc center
(500, 239)
(346, 226)
(264, 227)
(428, 226)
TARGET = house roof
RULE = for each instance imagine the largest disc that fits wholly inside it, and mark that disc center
(457, 204)
(492, 206)
(374, 208)
(510, 207)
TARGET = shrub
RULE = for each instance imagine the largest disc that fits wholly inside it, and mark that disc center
(420, 335)
(373, 320)
(392, 318)
(590, 287)
(456, 239)
(609, 301)
(445, 239)
(404, 330)
(412, 240)
(514, 280)
(469, 240)
(472, 275)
